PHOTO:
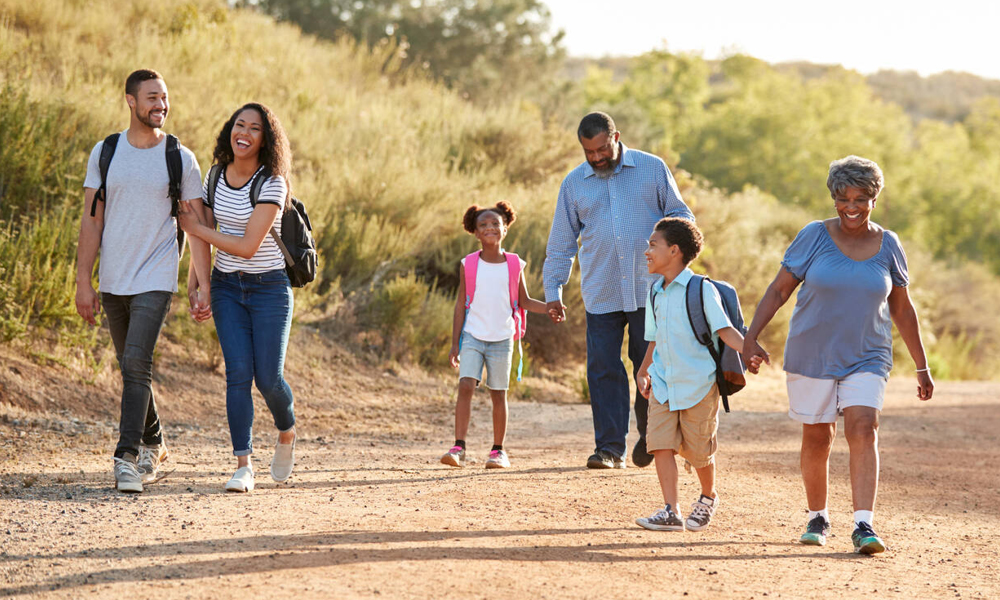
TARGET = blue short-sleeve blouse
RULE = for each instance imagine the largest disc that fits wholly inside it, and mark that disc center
(841, 322)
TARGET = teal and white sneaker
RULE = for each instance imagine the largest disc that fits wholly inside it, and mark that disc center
(816, 532)
(866, 541)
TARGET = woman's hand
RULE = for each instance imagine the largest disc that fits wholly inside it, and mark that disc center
(201, 303)
(453, 357)
(753, 355)
(187, 218)
(925, 385)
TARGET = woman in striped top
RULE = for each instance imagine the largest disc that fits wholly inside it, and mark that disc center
(251, 296)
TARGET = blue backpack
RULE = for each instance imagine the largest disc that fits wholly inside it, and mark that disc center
(730, 372)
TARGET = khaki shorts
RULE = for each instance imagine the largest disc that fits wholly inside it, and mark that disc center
(691, 432)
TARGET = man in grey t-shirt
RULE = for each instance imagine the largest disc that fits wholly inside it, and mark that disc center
(137, 239)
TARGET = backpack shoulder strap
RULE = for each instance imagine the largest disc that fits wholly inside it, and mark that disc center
(514, 278)
(471, 267)
(107, 153)
(258, 184)
(175, 169)
(214, 175)
(696, 310)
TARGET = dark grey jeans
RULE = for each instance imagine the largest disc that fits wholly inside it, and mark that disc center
(135, 323)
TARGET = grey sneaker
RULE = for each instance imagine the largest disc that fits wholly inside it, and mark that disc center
(150, 458)
(662, 520)
(127, 478)
(497, 460)
(454, 457)
(702, 512)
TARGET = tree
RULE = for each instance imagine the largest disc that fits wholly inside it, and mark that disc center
(476, 46)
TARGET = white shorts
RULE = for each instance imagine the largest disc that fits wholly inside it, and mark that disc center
(812, 401)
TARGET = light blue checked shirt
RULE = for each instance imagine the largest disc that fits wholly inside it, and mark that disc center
(612, 218)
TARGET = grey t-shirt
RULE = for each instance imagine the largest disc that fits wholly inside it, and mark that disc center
(139, 243)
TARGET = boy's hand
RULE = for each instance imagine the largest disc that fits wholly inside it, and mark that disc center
(644, 383)
(453, 357)
(753, 355)
(88, 306)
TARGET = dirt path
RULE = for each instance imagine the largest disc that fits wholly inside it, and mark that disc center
(369, 512)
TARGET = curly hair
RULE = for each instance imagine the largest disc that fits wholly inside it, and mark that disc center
(684, 234)
(854, 171)
(275, 151)
(504, 209)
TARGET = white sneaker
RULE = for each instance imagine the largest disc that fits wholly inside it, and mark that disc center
(497, 460)
(242, 480)
(127, 478)
(283, 462)
(150, 458)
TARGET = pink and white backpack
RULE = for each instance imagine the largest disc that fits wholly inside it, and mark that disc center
(514, 280)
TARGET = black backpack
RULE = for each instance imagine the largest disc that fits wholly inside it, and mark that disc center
(175, 169)
(295, 242)
(730, 372)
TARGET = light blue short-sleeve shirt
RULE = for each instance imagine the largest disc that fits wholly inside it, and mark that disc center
(683, 370)
(841, 323)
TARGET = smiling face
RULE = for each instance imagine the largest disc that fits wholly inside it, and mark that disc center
(247, 134)
(149, 104)
(490, 229)
(601, 152)
(854, 207)
(661, 256)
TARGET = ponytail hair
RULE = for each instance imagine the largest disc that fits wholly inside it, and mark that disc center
(502, 208)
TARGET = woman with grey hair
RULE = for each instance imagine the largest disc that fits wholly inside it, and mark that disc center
(839, 350)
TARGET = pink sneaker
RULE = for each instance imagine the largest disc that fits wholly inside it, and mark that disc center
(454, 457)
(497, 460)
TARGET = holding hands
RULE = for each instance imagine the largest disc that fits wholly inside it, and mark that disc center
(556, 310)
(753, 355)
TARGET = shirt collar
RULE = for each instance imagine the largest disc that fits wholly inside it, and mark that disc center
(627, 160)
(682, 280)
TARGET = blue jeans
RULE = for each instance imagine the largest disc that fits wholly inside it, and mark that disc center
(135, 322)
(608, 381)
(253, 317)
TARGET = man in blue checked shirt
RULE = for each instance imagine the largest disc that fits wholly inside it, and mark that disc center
(610, 203)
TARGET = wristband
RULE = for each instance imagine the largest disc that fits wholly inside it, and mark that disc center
(924, 370)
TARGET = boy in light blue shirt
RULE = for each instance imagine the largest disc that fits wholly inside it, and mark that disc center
(678, 375)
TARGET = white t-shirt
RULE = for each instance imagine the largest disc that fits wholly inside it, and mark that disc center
(139, 241)
(490, 317)
(232, 212)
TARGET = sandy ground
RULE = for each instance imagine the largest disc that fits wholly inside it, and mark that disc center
(369, 512)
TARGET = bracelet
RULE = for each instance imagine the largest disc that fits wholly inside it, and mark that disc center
(924, 370)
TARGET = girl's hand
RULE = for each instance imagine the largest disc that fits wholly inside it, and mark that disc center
(925, 385)
(453, 359)
(644, 383)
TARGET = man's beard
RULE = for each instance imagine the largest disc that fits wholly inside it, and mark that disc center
(605, 172)
(148, 122)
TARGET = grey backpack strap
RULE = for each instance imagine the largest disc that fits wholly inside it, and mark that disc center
(696, 311)
(214, 175)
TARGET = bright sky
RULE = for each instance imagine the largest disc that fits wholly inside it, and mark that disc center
(917, 35)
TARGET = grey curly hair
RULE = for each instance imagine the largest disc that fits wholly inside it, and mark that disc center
(856, 172)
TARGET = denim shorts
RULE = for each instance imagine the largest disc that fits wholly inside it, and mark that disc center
(495, 356)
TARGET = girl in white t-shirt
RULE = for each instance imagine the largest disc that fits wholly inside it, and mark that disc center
(486, 324)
